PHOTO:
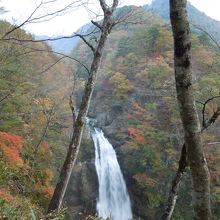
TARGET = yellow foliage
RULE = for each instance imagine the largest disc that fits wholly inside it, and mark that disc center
(144, 180)
(47, 103)
(49, 176)
(122, 84)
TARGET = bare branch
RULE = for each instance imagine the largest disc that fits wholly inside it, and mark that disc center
(48, 118)
(128, 18)
(58, 53)
(42, 18)
(6, 96)
(96, 24)
(209, 35)
(86, 42)
(103, 4)
(52, 65)
(23, 23)
(204, 108)
(114, 5)
(95, 31)
(211, 143)
(72, 107)
(212, 119)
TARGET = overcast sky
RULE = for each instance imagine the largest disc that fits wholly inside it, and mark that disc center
(19, 10)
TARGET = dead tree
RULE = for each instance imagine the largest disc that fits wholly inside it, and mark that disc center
(105, 28)
(188, 113)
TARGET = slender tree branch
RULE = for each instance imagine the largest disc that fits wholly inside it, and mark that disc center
(204, 108)
(72, 107)
(58, 53)
(212, 119)
(42, 18)
(6, 96)
(211, 143)
(50, 39)
(23, 23)
(96, 24)
(52, 65)
(86, 42)
(209, 35)
(48, 118)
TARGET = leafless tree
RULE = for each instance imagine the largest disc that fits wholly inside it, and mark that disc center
(105, 27)
(188, 113)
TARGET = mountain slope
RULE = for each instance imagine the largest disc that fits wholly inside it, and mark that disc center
(196, 17)
(34, 88)
(134, 104)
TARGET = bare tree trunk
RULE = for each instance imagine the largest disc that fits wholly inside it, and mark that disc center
(183, 164)
(173, 194)
(48, 118)
(57, 199)
(188, 113)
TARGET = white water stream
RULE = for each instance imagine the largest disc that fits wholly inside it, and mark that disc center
(113, 198)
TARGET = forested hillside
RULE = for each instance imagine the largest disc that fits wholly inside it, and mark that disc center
(134, 103)
(33, 123)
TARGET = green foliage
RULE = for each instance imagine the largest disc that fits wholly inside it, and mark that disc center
(155, 199)
(151, 106)
(157, 39)
(125, 46)
(132, 121)
(157, 72)
(205, 40)
(209, 85)
(122, 85)
(131, 60)
(5, 172)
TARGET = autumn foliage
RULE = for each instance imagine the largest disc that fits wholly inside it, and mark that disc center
(4, 194)
(135, 134)
(10, 145)
(45, 191)
(144, 180)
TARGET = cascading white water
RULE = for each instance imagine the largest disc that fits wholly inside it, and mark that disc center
(113, 198)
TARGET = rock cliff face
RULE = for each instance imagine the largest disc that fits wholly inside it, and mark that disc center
(82, 190)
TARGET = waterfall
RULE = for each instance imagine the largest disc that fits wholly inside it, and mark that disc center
(113, 200)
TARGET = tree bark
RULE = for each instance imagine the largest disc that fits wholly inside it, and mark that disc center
(183, 164)
(57, 199)
(173, 194)
(188, 113)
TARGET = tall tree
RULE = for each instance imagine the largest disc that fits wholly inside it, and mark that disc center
(187, 109)
(105, 28)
